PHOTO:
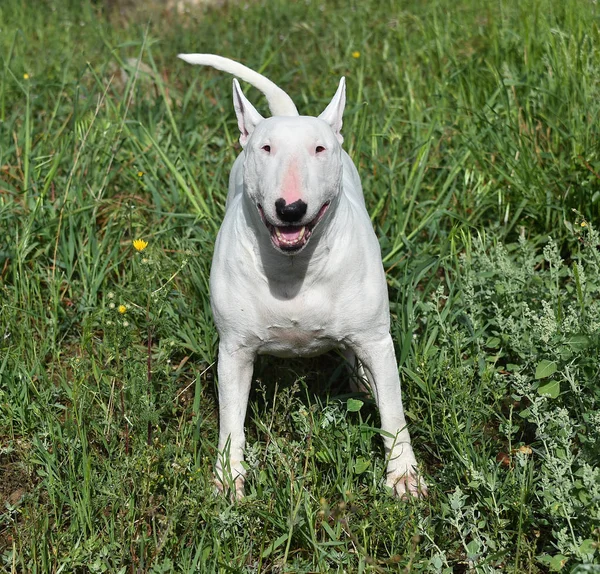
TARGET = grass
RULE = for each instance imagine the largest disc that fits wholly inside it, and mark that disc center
(475, 130)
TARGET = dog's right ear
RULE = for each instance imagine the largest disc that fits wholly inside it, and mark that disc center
(333, 113)
(247, 116)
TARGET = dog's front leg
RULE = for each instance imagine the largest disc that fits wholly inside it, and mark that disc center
(235, 376)
(379, 359)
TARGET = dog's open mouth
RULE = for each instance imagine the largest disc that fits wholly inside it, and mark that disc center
(292, 238)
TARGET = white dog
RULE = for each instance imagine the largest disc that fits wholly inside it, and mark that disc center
(297, 268)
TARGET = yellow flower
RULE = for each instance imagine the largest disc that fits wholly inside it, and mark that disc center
(140, 244)
(26, 76)
(583, 223)
(122, 309)
(356, 54)
(140, 173)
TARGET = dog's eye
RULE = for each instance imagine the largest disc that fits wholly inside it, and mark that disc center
(319, 149)
(266, 148)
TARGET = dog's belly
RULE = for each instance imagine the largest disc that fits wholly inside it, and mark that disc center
(296, 342)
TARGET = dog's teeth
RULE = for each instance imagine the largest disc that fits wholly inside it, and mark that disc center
(288, 237)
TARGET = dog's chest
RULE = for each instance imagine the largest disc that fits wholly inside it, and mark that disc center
(302, 326)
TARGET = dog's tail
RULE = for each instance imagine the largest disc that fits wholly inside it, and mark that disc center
(280, 103)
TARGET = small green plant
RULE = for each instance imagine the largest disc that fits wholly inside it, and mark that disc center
(527, 324)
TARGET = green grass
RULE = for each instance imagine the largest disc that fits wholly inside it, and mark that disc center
(475, 130)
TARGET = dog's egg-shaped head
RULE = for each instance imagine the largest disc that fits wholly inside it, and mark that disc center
(292, 168)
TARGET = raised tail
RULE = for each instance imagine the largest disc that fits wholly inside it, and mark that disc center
(280, 103)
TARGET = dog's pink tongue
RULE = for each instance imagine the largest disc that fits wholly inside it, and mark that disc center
(291, 233)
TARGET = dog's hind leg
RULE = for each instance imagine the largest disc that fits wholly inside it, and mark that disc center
(359, 377)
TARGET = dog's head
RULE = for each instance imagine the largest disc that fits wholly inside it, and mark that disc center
(292, 167)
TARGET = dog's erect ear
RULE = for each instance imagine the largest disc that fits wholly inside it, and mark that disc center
(247, 116)
(335, 110)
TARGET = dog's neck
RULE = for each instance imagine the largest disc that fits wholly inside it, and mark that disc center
(285, 274)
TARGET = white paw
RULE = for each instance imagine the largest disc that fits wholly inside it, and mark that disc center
(406, 482)
(224, 486)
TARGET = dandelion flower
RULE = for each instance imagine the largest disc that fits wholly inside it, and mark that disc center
(140, 244)
(356, 54)
(26, 76)
(122, 309)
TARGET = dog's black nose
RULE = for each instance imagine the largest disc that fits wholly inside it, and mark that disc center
(292, 212)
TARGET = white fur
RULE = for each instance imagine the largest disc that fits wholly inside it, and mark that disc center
(331, 293)
(280, 103)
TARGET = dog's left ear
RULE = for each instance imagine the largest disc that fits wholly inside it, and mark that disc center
(333, 113)
(247, 116)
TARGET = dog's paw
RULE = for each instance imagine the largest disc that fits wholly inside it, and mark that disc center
(236, 493)
(406, 483)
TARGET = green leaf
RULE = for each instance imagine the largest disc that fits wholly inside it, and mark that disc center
(558, 562)
(551, 389)
(555, 563)
(565, 353)
(361, 465)
(578, 342)
(274, 545)
(473, 548)
(525, 413)
(493, 342)
(588, 546)
(354, 405)
(544, 369)
(324, 456)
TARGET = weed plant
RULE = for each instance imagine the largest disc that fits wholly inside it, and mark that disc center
(475, 130)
